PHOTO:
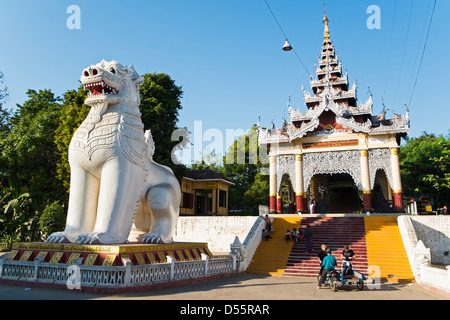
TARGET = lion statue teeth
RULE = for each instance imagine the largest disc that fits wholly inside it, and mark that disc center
(114, 180)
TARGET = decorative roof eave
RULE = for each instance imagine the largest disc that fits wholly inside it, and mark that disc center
(399, 125)
(266, 137)
(365, 108)
(335, 95)
(352, 124)
(303, 130)
(328, 68)
(325, 82)
(387, 130)
(327, 103)
(324, 62)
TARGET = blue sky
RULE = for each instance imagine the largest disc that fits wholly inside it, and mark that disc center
(227, 54)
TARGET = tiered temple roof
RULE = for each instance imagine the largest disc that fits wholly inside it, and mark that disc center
(332, 106)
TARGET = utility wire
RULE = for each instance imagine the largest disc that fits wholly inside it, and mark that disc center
(390, 50)
(404, 51)
(423, 52)
(285, 36)
(416, 60)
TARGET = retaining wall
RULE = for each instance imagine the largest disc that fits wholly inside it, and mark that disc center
(218, 231)
(434, 231)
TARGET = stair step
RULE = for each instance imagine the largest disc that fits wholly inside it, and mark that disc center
(286, 258)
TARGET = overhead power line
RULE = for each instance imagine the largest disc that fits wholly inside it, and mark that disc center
(416, 59)
(286, 38)
(390, 50)
(404, 51)
(423, 52)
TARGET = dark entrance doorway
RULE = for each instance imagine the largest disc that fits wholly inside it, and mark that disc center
(335, 193)
(203, 202)
(381, 195)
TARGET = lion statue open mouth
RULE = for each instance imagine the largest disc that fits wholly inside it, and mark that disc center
(114, 180)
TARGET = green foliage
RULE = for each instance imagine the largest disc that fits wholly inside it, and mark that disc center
(243, 166)
(160, 106)
(20, 218)
(73, 113)
(53, 219)
(29, 151)
(3, 91)
(28, 157)
(425, 166)
(257, 193)
(5, 129)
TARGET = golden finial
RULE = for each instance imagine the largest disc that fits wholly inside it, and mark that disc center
(326, 33)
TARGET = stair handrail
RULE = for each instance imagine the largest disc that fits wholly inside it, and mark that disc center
(418, 254)
(246, 250)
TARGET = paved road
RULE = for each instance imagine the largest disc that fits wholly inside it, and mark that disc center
(238, 287)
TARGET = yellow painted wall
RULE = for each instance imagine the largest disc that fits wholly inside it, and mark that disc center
(189, 186)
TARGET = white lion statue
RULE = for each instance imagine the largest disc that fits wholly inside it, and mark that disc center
(114, 180)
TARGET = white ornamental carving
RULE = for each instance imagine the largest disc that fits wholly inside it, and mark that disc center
(332, 163)
(286, 166)
(379, 159)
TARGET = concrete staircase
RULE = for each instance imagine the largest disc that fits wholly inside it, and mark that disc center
(376, 241)
(335, 233)
(385, 249)
(271, 256)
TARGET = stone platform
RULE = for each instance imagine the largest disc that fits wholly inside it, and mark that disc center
(108, 255)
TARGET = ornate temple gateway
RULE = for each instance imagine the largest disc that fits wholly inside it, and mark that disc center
(337, 152)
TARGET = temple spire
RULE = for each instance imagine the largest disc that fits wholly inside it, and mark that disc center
(326, 33)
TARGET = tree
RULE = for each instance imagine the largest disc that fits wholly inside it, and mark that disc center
(19, 218)
(28, 156)
(257, 193)
(160, 106)
(5, 129)
(73, 113)
(53, 219)
(29, 151)
(425, 166)
(4, 90)
(243, 165)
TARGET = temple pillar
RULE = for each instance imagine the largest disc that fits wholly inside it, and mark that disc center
(300, 192)
(365, 180)
(279, 205)
(273, 184)
(397, 182)
(305, 202)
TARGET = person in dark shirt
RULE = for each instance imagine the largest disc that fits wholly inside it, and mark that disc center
(347, 257)
(321, 255)
(309, 245)
(329, 263)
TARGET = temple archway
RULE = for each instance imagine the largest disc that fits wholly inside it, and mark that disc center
(286, 203)
(382, 193)
(335, 193)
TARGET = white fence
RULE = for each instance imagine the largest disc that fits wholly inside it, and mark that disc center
(436, 277)
(115, 277)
